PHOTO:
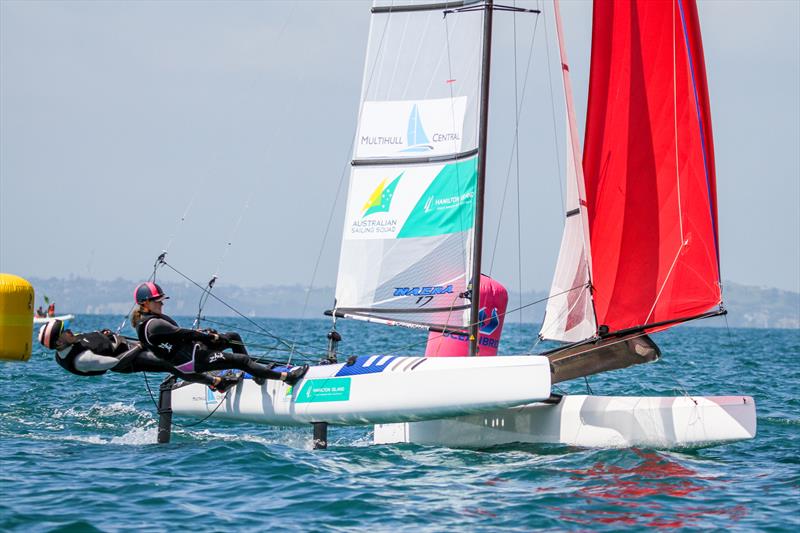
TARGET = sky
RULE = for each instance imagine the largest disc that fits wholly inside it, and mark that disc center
(220, 132)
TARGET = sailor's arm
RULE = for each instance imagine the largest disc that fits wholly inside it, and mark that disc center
(159, 330)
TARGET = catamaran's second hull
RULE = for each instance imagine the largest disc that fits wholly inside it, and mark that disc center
(378, 389)
(592, 421)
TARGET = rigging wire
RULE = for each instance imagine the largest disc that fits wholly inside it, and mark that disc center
(508, 311)
(517, 113)
(210, 285)
(398, 348)
(186, 211)
(462, 213)
(203, 300)
(553, 114)
(158, 262)
(287, 343)
(514, 146)
(269, 348)
(228, 243)
(728, 328)
(220, 300)
(209, 415)
(344, 171)
(332, 213)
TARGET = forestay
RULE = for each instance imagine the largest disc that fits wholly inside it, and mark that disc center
(407, 244)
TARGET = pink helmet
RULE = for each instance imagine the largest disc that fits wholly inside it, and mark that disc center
(148, 291)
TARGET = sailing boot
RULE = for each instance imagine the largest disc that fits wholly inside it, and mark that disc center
(226, 383)
(259, 380)
(296, 374)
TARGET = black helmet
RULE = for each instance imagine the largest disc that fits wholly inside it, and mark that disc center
(50, 332)
(148, 291)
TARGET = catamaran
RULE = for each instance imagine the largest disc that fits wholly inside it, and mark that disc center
(639, 251)
(46, 319)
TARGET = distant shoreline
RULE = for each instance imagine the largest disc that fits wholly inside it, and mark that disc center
(748, 306)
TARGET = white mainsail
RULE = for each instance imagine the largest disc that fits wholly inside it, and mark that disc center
(570, 312)
(406, 251)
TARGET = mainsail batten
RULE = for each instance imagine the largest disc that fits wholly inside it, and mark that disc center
(648, 165)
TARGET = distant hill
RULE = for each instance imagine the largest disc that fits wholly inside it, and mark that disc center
(761, 307)
(748, 306)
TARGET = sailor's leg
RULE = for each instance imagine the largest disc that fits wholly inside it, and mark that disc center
(235, 342)
(91, 362)
(226, 360)
(147, 362)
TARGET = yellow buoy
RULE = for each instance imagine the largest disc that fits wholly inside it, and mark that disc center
(16, 318)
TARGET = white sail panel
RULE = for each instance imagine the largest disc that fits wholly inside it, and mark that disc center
(407, 241)
(428, 60)
(411, 128)
(408, 233)
(570, 315)
(416, 201)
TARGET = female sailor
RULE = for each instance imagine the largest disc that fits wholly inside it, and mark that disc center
(97, 352)
(193, 350)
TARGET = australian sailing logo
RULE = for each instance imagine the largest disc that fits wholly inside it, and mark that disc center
(381, 198)
(380, 201)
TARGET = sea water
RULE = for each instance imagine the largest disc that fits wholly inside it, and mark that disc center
(79, 454)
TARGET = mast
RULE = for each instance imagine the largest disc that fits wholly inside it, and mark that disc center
(477, 245)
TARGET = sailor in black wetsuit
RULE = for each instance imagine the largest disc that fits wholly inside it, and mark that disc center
(192, 350)
(97, 352)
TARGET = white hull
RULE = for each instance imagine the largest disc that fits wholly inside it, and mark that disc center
(46, 319)
(378, 389)
(592, 421)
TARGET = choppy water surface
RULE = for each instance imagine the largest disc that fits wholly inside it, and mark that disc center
(78, 454)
